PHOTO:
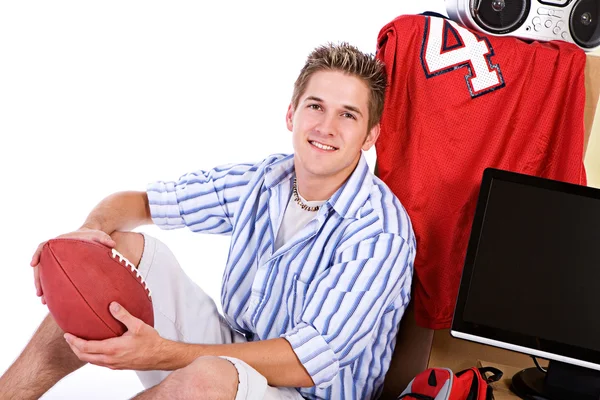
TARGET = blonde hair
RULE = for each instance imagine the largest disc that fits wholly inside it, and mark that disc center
(350, 60)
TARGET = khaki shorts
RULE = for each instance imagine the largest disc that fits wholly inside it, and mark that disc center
(179, 318)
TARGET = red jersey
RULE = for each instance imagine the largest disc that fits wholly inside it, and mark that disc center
(460, 101)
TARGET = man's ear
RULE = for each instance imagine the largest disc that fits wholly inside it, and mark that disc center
(289, 117)
(371, 137)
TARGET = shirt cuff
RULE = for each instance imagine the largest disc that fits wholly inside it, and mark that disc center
(314, 353)
(164, 207)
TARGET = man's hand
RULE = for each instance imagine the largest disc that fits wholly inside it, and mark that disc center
(139, 348)
(82, 233)
(142, 348)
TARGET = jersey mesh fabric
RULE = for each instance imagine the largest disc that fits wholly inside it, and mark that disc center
(459, 101)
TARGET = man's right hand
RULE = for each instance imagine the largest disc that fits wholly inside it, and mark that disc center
(93, 235)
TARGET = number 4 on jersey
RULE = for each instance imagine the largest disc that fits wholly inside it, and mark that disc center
(448, 47)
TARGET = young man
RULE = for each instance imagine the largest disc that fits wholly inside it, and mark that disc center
(317, 279)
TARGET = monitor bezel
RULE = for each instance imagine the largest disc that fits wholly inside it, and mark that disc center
(515, 341)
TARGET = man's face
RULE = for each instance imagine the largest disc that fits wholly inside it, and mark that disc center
(329, 126)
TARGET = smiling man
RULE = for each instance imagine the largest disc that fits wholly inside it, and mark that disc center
(318, 275)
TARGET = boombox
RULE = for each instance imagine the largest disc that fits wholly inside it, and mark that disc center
(574, 21)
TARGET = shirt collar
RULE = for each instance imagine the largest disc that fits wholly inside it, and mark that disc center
(352, 195)
(346, 201)
(280, 171)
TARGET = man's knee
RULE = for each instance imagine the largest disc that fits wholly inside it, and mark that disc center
(130, 244)
(206, 377)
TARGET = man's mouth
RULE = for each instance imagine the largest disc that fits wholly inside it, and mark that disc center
(322, 146)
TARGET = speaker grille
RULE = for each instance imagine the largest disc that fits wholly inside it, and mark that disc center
(500, 16)
(584, 23)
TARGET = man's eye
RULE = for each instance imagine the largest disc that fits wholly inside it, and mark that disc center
(348, 115)
(314, 106)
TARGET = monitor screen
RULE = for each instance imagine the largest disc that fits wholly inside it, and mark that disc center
(531, 280)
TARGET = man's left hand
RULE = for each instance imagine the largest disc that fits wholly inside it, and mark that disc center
(139, 348)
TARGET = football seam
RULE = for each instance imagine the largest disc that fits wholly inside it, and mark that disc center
(131, 272)
(79, 293)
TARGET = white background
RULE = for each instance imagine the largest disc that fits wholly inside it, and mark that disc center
(99, 97)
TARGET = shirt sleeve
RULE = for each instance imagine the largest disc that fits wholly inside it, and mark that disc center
(344, 305)
(204, 201)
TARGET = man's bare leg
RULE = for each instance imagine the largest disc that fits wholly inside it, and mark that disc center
(48, 358)
(44, 361)
(206, 378)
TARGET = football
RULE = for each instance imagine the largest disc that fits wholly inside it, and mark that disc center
(81, 278)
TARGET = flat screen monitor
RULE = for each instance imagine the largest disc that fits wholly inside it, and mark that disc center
(531, 280)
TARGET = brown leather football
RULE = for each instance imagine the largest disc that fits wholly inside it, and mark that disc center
(81, 278)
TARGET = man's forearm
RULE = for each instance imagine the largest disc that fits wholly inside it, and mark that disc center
(273, 358)
(122, 211)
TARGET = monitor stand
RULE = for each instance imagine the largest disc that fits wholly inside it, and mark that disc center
(561, 382)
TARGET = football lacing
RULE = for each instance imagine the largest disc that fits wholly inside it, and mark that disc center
(116, 254)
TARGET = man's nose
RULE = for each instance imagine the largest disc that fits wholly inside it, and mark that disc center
(328, 124)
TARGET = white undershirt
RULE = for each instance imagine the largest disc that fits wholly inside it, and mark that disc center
(294, 219)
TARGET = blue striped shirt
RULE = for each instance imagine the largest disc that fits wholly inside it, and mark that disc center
(336, 291)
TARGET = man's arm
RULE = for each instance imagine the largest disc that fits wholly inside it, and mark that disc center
(122, 211)
(142, 348)
(119, 211)
(273, 358)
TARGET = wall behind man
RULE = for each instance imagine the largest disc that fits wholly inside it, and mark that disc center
(98, 97)
(592, 156)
